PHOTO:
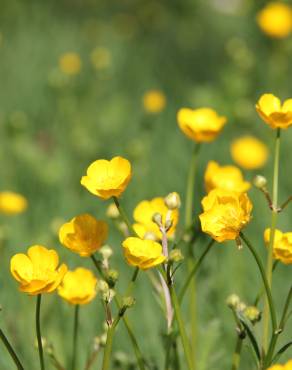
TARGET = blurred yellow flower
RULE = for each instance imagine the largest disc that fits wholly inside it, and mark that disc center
(143, 216)
(83, 234)
(275, 19)
(225, 214)
(282, 245)
(100, 58)
(38, 271)
(70, 63)
(224, 177)
(288, 366)
(202, 125)
(78, 286)
(12, 203)
(142, 253)
(108, 179)
(274, 113)
(154, 101)
(249, 152)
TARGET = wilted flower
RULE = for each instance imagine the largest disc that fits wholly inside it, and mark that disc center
(38, 271)
(78, 286)
(275, 19)
(201, 124)
(83, 234)
(107, 179)
(142, 253)
(224, 177)
(154, 101)
(249, 152)
(273, 112)
(288, 366)
(225, 214)
(282, 245)
(70, 63)
(12, 203)
(143, 215)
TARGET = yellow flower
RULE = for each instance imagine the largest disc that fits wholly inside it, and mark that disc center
(249, 152)
(201, 124)
(83, 234)
(143, 216)
(275, 19)
(224, 177)
(108, 179)
(38, 271)
(154, 101)
(78, 286)
(143, 253)
(12, 203)
(70, 63)
(282, 245)
(288, 366)
(274, 113)
(225, 214)
(100, 58)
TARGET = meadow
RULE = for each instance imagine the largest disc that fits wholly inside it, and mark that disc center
(58, 116)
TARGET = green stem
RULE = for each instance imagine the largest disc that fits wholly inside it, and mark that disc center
(194, 270)
(236, 354)
(269, 266)
(181, 327)
(265, 281)
(109, 344)
(11, 351)
(124, 216)
(38, 331)
(75, 336)
(132, 282)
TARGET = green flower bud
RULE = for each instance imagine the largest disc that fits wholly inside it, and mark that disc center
(259, 181)
(233, 301)
(157, 218)
(252, 313)
(172, 201)
(176, 255)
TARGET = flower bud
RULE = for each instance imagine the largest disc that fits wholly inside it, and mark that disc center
(103, 286)
(128, 302)
(103, 338)
(172, 201)
(168, 224)
(252, 313)
(259, 181)
(233, 301)
(241, 306)
(176, 255)
(149, 235)
(106, 252)
(113, 276)
(157, 218)
(112, 211)
(108, 296)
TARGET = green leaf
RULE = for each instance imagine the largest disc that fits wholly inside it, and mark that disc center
(281, 351)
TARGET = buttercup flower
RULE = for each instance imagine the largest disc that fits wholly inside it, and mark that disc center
(274, 113)
(70, 63)
(38, 271)
(78, 286)
(288, 366)
(83, 234)
(282, 245)
(101, 58)
(12, 203)
(224, 177)
(144, 212)
(108, 179)
(249, 152)
(225, 214)
(275, 19)
(201, 124)
(154, 101)
(142, 253)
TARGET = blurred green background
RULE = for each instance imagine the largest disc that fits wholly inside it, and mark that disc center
(53, 125)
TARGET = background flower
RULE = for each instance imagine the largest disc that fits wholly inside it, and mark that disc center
(282, 245)
(70, 63)
(12, 203)
(154, 101)
(249, 152)
(275, 19)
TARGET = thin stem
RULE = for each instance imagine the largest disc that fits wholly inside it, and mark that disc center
(11, 350)
(194, 270)
(181, 327)
(75, 336)
(38, 331)
(285, 204)
(124, 216)
(269, 265)
(236, 354)
(265, 281)
(132, 282)
(98, 266)
(109, 343)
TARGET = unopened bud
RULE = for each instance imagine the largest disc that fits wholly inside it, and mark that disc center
(241, 306)
(149, 235)
(157, 218)
(122, 226)
(168, 224)
(108, 296)
(106, 251)
(259, 181)
(113, 276)
(176, 255)
(128, 302)
(172, 201)
(233, 301)
(252, 313)
(102, 286)
(112, 211)
(103, 338)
